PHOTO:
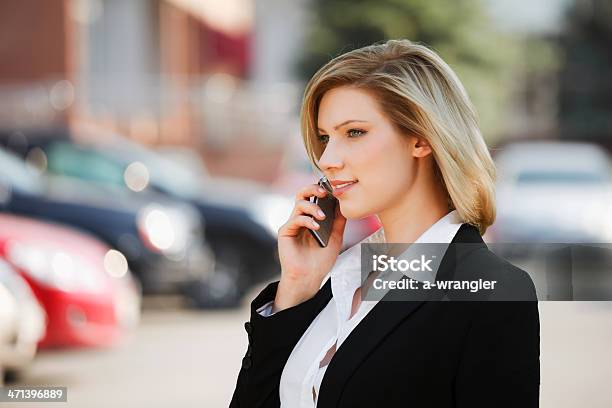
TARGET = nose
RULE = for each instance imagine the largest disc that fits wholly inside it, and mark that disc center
(331, 158)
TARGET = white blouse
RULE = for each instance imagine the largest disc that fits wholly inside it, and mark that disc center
(301, 377)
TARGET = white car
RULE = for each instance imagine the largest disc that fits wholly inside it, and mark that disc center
(553, 192)
(22, 322)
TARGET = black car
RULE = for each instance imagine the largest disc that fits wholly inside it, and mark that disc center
(162, 241)
(241, 217)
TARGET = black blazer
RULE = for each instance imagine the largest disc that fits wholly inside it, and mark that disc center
(417, 354)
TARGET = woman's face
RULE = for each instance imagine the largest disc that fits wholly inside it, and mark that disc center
(362, 145)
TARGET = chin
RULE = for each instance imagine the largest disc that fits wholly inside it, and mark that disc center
(350, 211)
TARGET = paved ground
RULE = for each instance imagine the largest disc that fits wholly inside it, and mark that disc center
(176, 358)
(180, 358)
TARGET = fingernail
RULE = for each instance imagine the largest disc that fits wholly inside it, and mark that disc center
(315, 223)
(321, 190)
(321, 213)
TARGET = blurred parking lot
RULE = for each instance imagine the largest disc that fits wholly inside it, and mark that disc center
(176, 357)
(191, 359)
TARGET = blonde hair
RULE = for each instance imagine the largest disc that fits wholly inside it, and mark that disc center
(422, 96)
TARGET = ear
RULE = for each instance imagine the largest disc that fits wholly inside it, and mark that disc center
(420, 147)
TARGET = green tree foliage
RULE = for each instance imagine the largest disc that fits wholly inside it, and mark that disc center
(459, 30)
(585, 85)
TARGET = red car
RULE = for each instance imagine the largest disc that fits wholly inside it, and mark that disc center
(85, 287)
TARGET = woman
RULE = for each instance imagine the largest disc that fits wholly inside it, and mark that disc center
(394, 122)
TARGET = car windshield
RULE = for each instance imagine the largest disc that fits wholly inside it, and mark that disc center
(71, 160)
(173, 178)
(108, 165)
(548, 177)
(166, 174)
(18, 175)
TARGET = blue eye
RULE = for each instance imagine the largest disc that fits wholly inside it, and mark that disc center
(359, 132)
(351, 133)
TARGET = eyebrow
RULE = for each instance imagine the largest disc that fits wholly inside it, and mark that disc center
(346, 122)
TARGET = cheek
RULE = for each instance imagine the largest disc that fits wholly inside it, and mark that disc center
(384, 171)
(371, 158)
(388, 167)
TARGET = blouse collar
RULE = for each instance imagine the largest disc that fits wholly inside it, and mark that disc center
(346, 272)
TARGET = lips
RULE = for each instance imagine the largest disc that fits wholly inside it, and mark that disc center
(341, 186)
(344, 185)
(338, 183)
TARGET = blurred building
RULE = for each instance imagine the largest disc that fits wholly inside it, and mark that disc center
(219, 75)
(158, 71)
(37, 62)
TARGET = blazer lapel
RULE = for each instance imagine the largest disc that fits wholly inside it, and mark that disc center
(382, 319)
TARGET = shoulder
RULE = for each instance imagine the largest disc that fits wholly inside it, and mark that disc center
(510, 282)
(510, 309)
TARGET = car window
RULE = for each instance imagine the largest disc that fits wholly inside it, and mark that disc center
(70, 160)
(175, 178)
(548, 177)
(166, 174)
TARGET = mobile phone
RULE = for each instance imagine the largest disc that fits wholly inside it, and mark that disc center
(328, 206)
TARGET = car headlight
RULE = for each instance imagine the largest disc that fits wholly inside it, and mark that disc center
(165, 229)
(115, 264)
(271, 211)
(55, 267)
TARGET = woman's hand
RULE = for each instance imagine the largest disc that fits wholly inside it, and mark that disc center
(304, 263)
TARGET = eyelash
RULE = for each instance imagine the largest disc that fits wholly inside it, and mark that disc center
(363, 132)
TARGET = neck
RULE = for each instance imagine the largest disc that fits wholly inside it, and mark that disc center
(416, 211)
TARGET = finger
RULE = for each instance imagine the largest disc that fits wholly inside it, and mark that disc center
(292, 227)
(306, 207)
(310, 190)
